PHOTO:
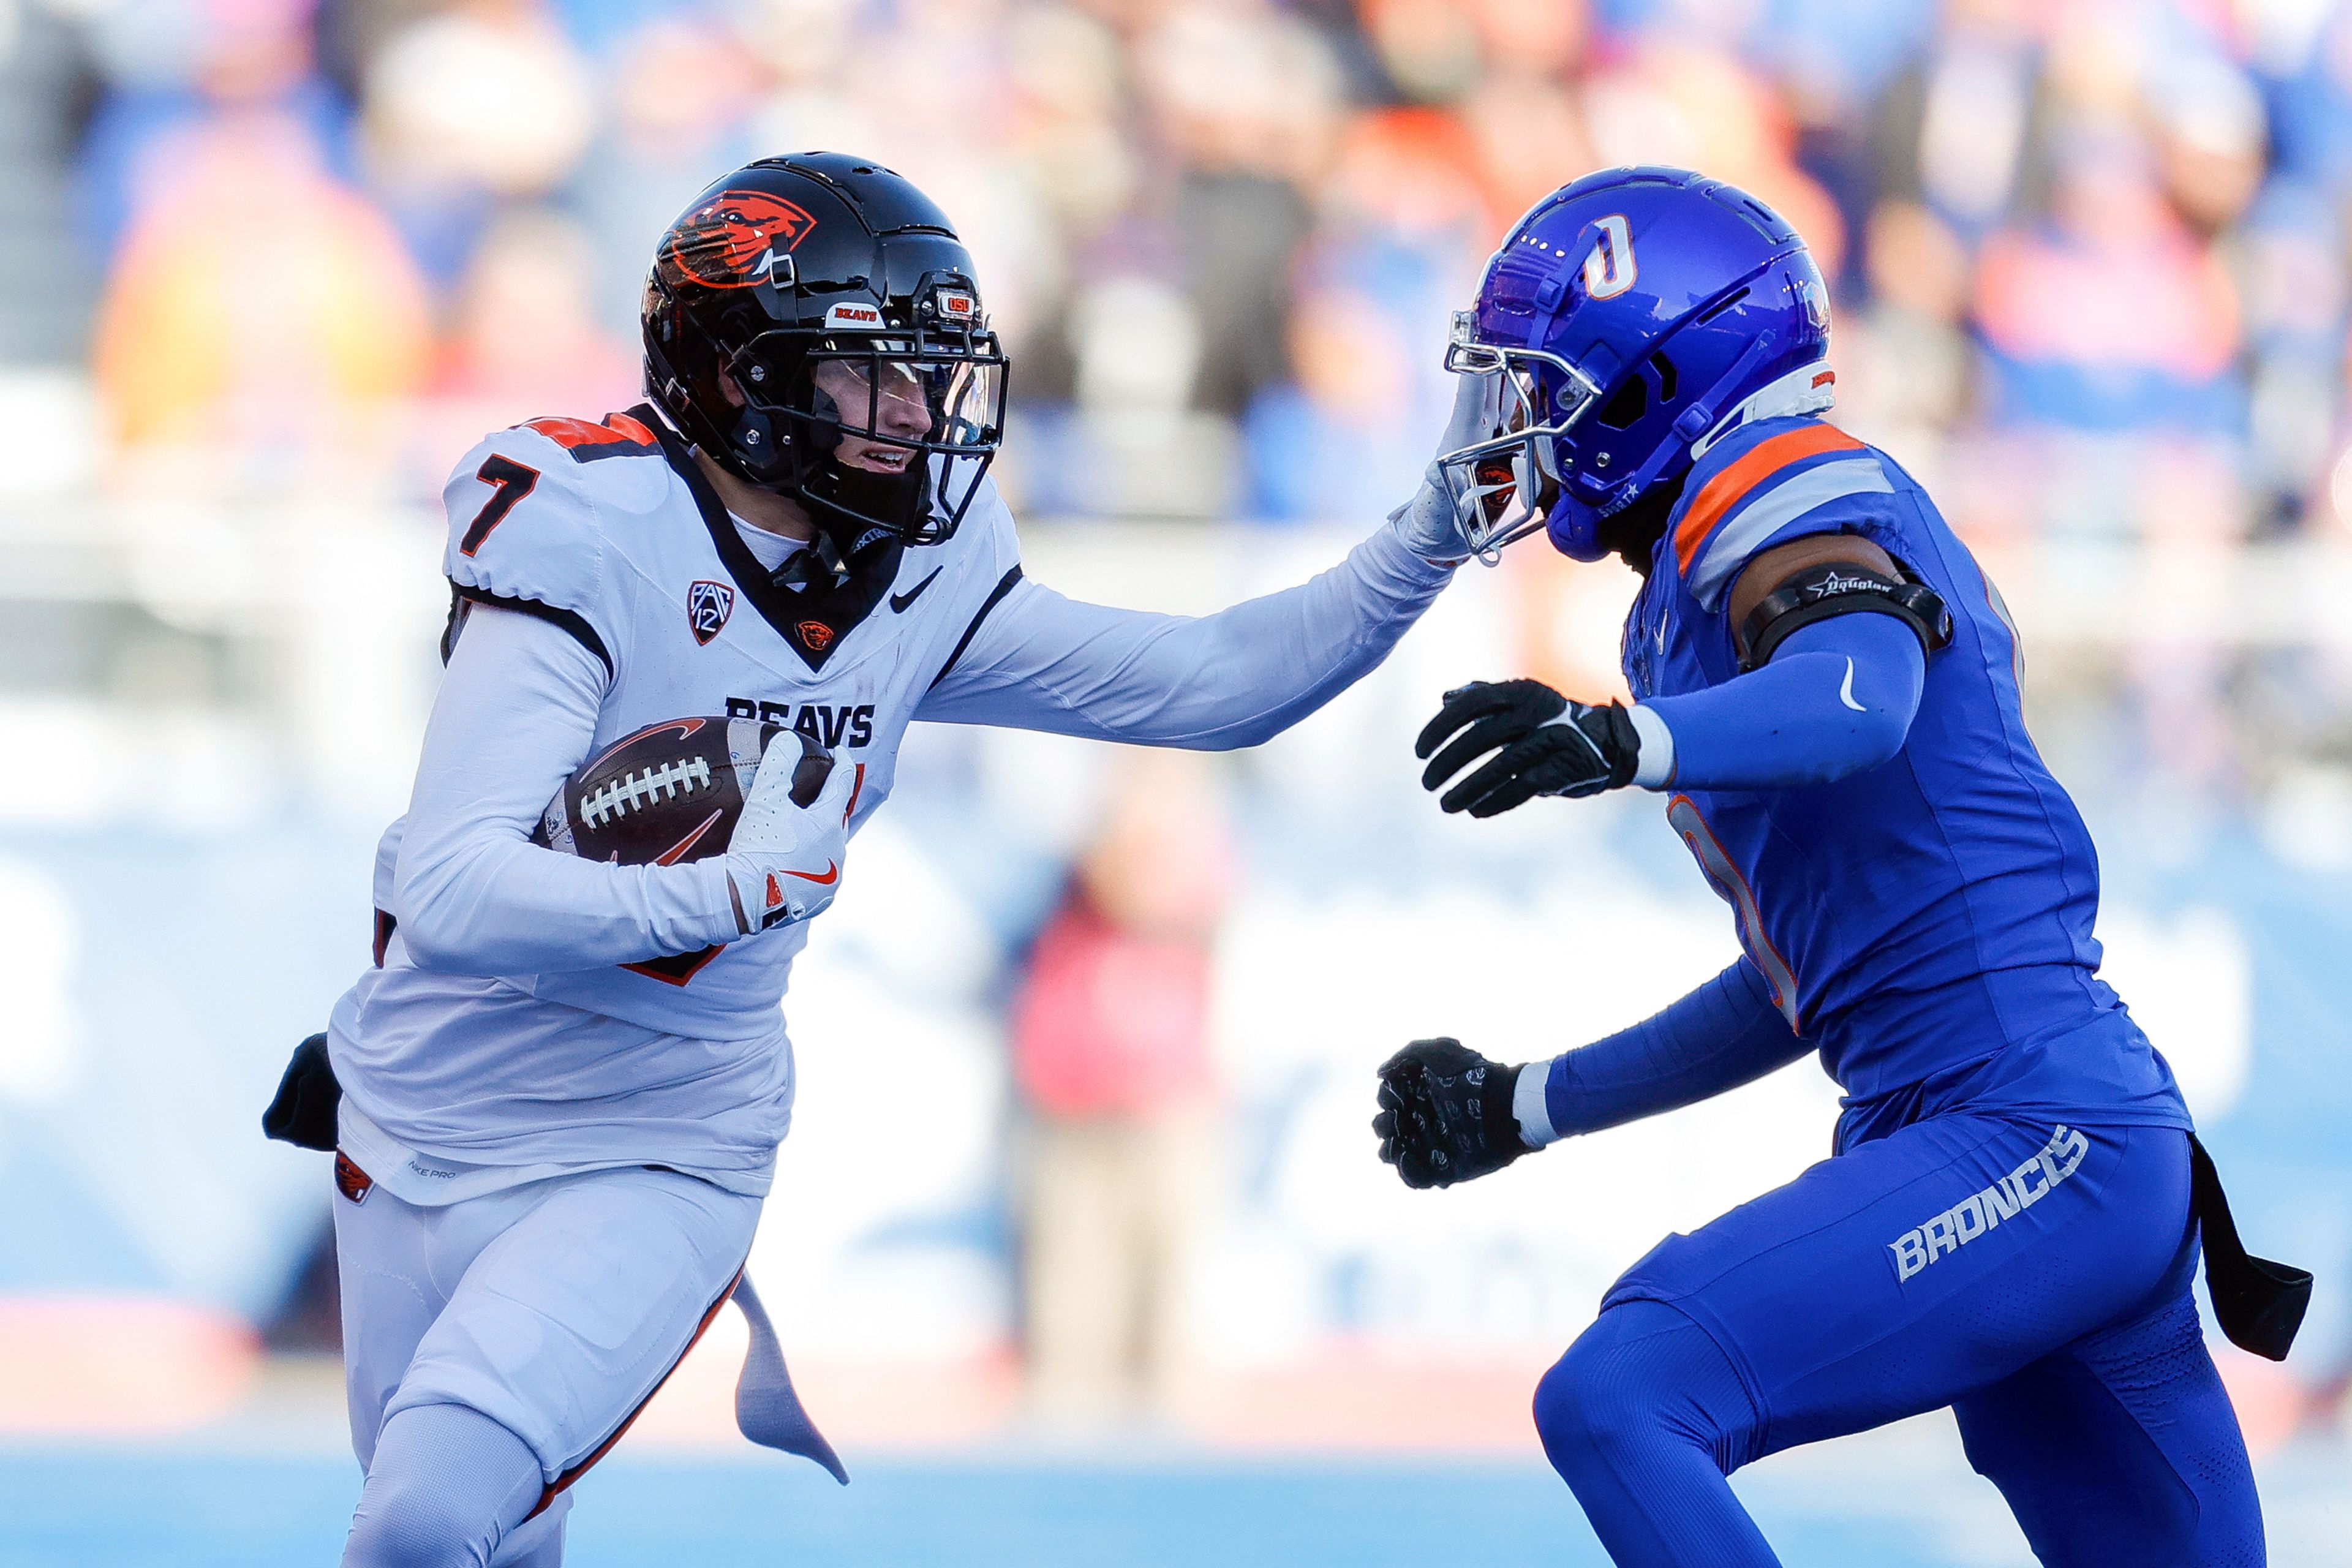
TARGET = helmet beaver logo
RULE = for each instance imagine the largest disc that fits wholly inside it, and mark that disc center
(734, 239)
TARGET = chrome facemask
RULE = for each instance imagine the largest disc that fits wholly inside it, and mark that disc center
(1505, 481)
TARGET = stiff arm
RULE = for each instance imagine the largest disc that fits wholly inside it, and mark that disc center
(1039, 660)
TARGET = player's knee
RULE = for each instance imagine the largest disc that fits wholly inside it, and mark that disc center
(447, 1483)
(416, 1526)
(1596, 1399)
(1641, 1376)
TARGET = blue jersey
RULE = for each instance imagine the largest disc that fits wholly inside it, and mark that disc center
(1928, 922)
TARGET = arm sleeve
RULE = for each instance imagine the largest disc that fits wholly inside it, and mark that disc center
(1040, 661)
(516, 714)
(1836, 699)
(1723, 1035)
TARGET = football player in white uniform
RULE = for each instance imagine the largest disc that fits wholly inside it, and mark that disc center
(563, 1086)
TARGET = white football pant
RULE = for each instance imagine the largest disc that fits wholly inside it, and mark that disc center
(556, 1309)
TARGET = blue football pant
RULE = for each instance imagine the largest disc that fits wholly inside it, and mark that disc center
(2034, 1277)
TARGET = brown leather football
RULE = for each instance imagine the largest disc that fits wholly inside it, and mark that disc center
(671, 792)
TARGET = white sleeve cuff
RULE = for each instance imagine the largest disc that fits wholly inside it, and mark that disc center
(1528, 1105)
(714, 891)
(1655, 765)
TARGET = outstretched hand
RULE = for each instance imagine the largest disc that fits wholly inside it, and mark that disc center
(1436, 523)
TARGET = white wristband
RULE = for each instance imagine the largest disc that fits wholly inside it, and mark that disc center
(1528, 1105)
(1655, 762)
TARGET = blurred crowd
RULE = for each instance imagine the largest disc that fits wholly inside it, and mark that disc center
(2090, 257)
(2091, 263)
(2097, 246)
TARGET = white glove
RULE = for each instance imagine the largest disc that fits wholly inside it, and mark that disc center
(1431, 522)
(784, 863)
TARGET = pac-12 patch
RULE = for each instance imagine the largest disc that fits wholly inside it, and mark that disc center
(350, 1180)
(707, 605)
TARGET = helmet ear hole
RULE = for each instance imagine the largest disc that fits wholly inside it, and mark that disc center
(1627, 404)
(1666, 378)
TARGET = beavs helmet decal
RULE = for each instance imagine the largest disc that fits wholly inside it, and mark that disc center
(734, 239)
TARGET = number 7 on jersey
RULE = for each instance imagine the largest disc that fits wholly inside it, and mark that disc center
(509, 481)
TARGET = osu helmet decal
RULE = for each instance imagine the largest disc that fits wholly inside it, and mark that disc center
(734, 239)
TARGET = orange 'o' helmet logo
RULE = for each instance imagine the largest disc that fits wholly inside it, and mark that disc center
(733, 240)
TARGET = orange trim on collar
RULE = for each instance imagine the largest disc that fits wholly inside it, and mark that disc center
(1732, 486)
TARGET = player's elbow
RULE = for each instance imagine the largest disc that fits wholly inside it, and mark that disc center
(1873, 739)
(1257, 728)
(1240, 738)
(1864, 745)
(1237, 736)
(435, 943)
(434, 929)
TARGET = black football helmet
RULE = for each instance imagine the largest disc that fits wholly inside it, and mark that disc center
(813, 323)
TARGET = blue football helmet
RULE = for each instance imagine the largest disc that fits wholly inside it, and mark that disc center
(1635, 316)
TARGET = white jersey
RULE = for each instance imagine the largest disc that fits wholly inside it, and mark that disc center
(534, 1013)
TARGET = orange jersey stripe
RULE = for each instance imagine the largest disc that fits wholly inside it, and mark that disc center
(633, 429)
(1732, 486)
(572, 433)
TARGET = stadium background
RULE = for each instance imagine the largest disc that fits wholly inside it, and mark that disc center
(266, 267)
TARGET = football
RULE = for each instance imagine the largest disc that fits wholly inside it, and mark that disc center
(670, 791)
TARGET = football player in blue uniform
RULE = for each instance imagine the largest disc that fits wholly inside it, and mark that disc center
(1827, 691)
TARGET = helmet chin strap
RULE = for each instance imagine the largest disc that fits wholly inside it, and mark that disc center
(819, 566)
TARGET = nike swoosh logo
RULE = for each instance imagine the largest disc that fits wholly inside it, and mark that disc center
(824, 878)
(677, 852)
(1845, 690)
(898, 602)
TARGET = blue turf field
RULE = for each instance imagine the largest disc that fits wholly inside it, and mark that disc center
(1888, 1505)
(191, 1510)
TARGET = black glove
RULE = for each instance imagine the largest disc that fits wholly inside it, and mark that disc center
(1445, 1114)
(303, 1113)
(1591, 749)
